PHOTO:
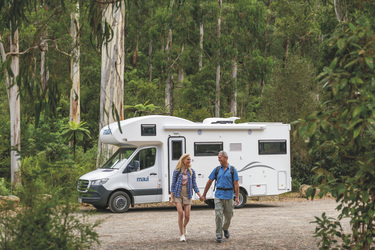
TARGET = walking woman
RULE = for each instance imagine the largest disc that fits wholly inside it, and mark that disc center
(183, 183)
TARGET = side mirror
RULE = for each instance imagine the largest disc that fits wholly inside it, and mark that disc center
(132, 168)
(137, 166)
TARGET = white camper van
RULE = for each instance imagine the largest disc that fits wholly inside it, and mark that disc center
(150, 146)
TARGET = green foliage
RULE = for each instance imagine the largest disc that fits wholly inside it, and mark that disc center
(49, 223)
(43, 176)
(140, 109)
(293, 81)
(75, 132)
(345, 126)
(45, 138)
(4, 190)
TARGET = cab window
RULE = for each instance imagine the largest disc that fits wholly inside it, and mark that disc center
(145, 158)
(118, 158)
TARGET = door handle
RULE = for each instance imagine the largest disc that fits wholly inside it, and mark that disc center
(153, 174)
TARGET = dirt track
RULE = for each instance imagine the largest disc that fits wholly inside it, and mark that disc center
(261, 225)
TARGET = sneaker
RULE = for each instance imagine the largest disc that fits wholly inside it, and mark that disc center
(182, 238)
(185, 231)
(219, 239)
(226, 234)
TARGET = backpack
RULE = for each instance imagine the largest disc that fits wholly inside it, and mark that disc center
(231, 172)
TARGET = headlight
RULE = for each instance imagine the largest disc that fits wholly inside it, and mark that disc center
(99, 182)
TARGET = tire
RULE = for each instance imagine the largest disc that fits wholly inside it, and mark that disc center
(242, 197)
(210, 203)
(119, 202)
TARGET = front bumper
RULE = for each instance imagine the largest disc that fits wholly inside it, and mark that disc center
(95, 195)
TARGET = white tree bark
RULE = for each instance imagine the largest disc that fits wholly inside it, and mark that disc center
(181, 69)
(75, 110)
(112, 73)
(14, 107)
(44, 73)
(233, 106)
(201, 45)
(168, 83)
(150, 58)
(340, 10)
(217, 101)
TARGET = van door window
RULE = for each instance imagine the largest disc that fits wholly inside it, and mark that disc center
(145, 158)
(176, 150)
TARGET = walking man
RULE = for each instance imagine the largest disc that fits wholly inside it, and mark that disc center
(226, 181)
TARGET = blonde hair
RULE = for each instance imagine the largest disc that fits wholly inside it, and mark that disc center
(181, 164)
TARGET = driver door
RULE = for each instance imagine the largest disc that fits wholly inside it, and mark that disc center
(143, 176)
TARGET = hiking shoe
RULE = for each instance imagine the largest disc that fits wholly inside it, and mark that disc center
(219, 239)
(185, 231)
(226, 234)
(182, 238)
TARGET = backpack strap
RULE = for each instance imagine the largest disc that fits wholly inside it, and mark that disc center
(216, 172)
(177, 175)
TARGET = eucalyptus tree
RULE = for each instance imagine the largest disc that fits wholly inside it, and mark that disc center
(217, 96)
(112, 70)
(75, 111)
(11, 58)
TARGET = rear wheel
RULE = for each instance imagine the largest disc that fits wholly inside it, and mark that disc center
(242, 197)
(119, 202)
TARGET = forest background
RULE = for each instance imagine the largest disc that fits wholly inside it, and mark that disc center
(69, 68)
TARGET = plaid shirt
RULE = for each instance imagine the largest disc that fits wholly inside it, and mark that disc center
(191, 184)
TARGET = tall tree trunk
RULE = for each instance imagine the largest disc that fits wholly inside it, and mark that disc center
(217, 101)
(181, 68)
(286, 50)
(112, 73)
(150, 62)
(168, 83)
(233, 106)
(75, 112)
(135, 55)
(201, 45)
(340, 10)
(44, 74)
(14, 107)
(266, 33)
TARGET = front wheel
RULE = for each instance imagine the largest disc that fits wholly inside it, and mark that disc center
(119, 202)
(242, 197)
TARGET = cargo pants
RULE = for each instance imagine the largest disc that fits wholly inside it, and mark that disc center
(223, 208)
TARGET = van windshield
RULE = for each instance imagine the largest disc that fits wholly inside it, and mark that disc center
(119, 158)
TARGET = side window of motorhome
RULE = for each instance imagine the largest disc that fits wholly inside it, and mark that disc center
(142, 160)
(267, 147)
(148, 130)
(118, 158)
(207, 148)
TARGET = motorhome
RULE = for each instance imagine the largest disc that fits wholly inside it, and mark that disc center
(150, 146)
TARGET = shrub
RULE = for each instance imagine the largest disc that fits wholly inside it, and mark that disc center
(4, 191)
(47, 224)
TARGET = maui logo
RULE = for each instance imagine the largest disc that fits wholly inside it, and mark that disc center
(143, 178)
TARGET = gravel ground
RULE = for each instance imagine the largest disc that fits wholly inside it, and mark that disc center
(258, 225)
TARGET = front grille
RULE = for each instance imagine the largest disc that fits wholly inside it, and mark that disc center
(82, 185)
